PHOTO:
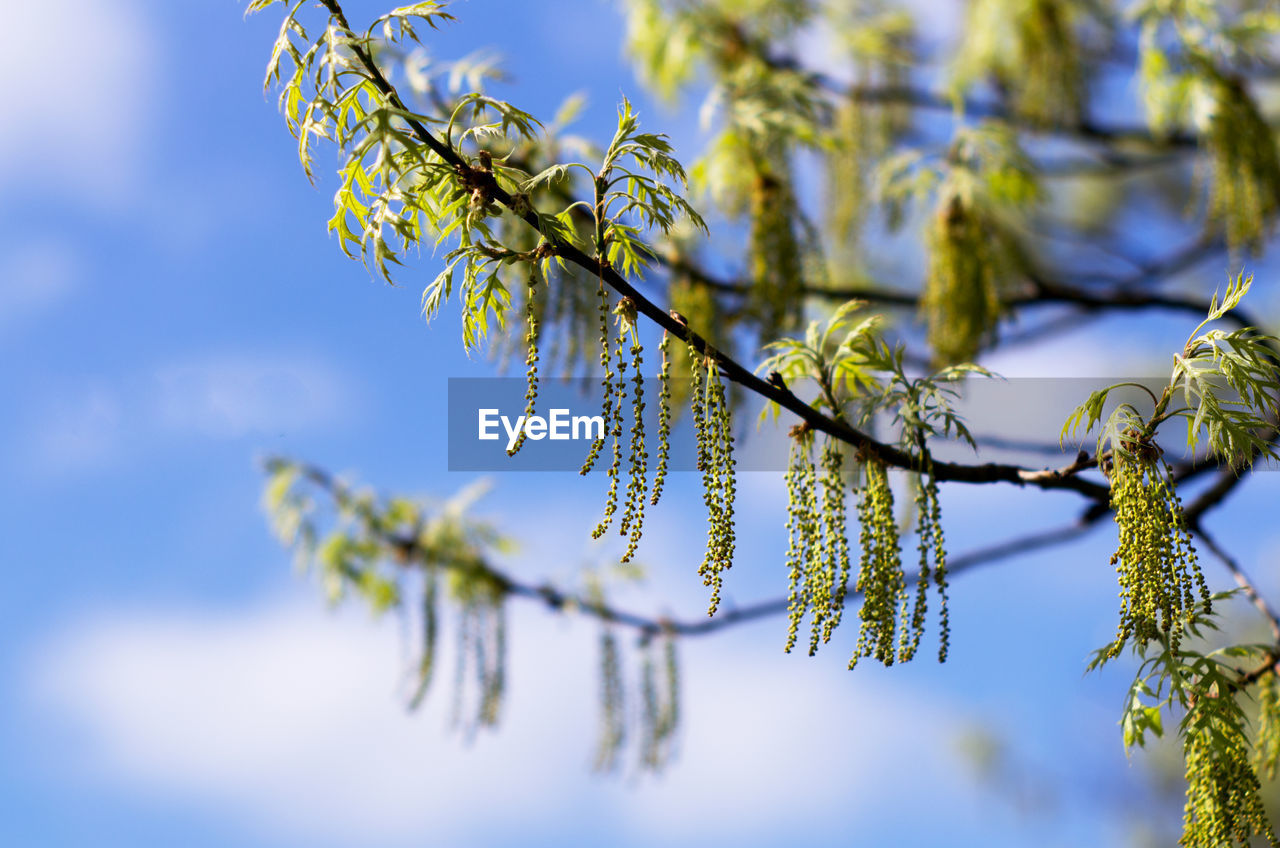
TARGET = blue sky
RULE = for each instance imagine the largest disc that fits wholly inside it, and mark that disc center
(171, 309)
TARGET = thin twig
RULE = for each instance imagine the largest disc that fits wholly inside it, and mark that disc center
(406, 549)
(1243, 581)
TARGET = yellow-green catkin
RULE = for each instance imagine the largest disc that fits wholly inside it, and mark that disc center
(1266, 745)
(699, 308)
(616, 393)
(863, 132)
(1049, 82)
(802, 527)
(713, 427)
(961, 298)
(482, 649)
(939, 570)
(632, 523)
(615, 434)
(1244, 188)
(775, 257)
(1160, 578)
(491, 668)
(847, 168)
(462, 662)
(660, 704)
(726, 479)
(430, 635)
(819, 572)
(1031, 52)
(606, 383)
(880, 578)
(664, 420)
(818, 565)
(613, 724)
(1224, 803)
(531, 361)
(834, 560)
(931, 546)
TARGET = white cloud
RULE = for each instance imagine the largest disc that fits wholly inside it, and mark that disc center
(283, 720)
(77, 73)
(34, 277)
(235, 395)
(212, 397)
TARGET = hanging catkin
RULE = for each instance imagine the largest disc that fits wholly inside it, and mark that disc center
(1160, 578)
(1244, 185)
(531, 360)
(713, 427)
(961, 300)
(664, 420)
(632, 523)
(880, 578)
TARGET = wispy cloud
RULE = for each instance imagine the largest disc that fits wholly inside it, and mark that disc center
(211, 397)
(34, 277)
(284, 719)
(78, 70)
(238, 395)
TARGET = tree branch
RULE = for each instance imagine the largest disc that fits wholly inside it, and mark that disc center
(405, 549)
(1243, 581)
(730, 368)
(1123, 296)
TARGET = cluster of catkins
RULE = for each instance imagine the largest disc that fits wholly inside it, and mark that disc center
(775, 254)
(1266, 744)
(818, 559)
(818, 547)
(481, 642)
(1244, 192)
(864, 132)
(712, 422)
(961, 298)
(621, 352)
(1224, 803)
(1050, 83)
(713, 427)
(657, 712)
(562, 303)
(887, 607)
(1160, 578)
(616, 388)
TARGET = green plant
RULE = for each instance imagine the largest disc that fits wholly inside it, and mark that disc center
(499, 189)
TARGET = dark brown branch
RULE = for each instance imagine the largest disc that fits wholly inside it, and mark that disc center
(1123, 296)
(729, 367)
